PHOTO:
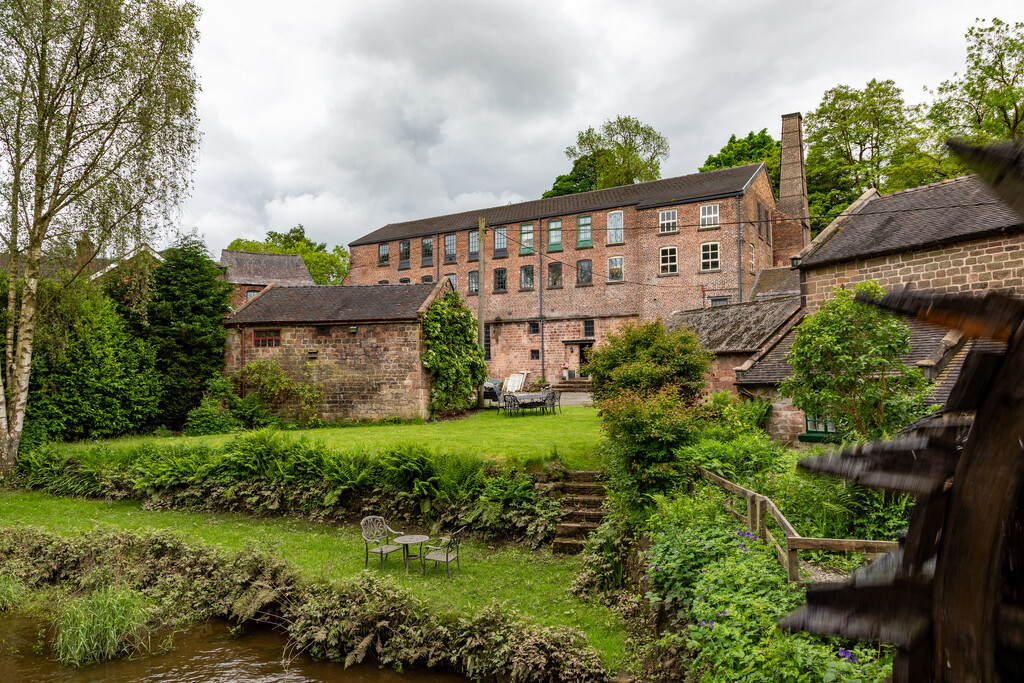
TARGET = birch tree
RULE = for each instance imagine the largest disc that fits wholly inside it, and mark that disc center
(98, 136)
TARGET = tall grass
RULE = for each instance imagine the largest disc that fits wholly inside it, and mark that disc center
(109, 622)
(12, 589)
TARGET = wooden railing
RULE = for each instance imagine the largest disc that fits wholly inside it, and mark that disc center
(756, 519)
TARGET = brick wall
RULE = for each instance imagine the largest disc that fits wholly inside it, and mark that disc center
(643, 294)
(723, 373)
(240, 294)
(990, 263)
(368, 374)
(786, 421)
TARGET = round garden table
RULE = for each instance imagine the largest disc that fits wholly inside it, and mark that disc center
(411, 540)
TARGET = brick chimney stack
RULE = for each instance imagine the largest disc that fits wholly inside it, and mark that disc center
(792, 229)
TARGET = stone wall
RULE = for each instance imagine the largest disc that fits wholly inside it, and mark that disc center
(723, 373)
(369, 371)
(786, 421)
(991, 263)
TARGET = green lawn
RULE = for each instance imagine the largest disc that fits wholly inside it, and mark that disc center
(535, 583)
(570, 437)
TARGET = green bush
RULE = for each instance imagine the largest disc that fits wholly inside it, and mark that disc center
(12, 589)
(723, 591)
(643, 359)
(105, 624)
(209, 417)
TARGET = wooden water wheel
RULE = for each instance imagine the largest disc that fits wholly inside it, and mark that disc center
(952, 597)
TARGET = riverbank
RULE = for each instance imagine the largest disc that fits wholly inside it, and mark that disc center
(535, 584)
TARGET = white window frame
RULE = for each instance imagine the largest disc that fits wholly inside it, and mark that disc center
(708, 262)
(715, 301)
(526, 239)
(615, 234)
(584, 226)
(669, 261)
(752, 258)
(668, 221)
(621, 266)
(709, 216)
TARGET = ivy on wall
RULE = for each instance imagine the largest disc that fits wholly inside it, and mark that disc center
(453, 359)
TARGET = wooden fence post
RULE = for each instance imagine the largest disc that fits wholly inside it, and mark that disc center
(762, 523)
(751, 514)
(792, 563)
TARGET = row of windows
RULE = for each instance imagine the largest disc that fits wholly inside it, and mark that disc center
(667, 223)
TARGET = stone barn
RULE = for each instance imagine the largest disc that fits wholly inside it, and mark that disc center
(363, 343)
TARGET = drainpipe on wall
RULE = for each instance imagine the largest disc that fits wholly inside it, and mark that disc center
(539, 243)
(739, 253)
(241, 335)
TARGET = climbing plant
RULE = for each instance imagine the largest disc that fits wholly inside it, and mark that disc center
(453, 359)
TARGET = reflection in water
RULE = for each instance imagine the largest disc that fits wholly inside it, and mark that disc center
(206, 653)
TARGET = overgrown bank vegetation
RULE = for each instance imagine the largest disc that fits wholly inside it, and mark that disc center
(714, 590)
(271, 472)
(123, 589)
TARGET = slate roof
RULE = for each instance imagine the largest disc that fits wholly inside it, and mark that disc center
(737, 328)
(319, 304)
(942, 213)
(925, 340)
(770, 282)
(951, 373)
(251, 268)
(688, 188)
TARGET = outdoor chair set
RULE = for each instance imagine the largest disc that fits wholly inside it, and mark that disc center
(380, 539)
(513, 404)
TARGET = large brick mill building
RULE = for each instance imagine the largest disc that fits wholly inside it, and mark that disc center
(560, 273)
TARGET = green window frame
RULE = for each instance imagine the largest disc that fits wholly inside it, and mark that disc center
(819, 429)
(526, 239)
(584, 233)
(555, 235)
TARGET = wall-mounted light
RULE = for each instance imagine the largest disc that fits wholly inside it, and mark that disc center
(353, 329)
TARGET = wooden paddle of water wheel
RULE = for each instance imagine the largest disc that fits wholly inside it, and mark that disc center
(952, 597)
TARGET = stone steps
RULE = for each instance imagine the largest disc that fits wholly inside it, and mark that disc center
(582, 500)
(574, 385)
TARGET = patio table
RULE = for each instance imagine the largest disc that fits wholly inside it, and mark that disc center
(535, 399)
(411, 540)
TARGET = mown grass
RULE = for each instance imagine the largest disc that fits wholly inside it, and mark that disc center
(570, 437)
(534, 583)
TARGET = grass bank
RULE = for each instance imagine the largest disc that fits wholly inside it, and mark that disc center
(572, 437)
(536, 584)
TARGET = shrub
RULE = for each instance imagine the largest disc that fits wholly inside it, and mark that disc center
(209, 417)
(267, 387)
(643, 359)
(105, 624)
(12, 589)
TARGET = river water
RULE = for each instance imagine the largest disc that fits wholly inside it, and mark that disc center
(208, 652)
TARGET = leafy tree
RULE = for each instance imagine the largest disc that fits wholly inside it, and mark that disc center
(453, 359)
(186, 308)
(583, 177)
(846, 366)
(987, 102)
(624, 151)
(644, 359)
(859, 139)
(325, 267)
(91, 377)
(753, 149)
(98, 133)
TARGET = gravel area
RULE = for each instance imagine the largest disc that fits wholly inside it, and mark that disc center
(576, 398)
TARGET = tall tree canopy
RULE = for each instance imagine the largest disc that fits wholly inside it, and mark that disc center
(583, 177)
(187, 305)
(325, 267)
(623, 151)
(752, 149)
(987, 102)
(98, 133)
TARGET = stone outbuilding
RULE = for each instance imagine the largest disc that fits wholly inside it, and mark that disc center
(363, 343)
(251, 272)
(736, 332)
(952, 236)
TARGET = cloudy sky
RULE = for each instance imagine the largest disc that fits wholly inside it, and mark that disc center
(346, 116)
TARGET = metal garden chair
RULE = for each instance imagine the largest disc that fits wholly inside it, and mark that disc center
(447, 552)
(377, 532)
